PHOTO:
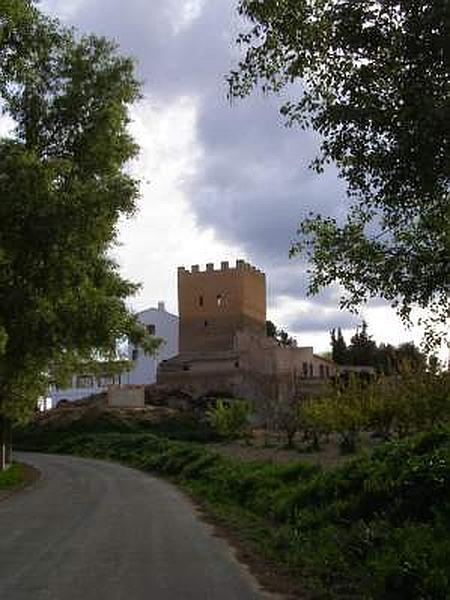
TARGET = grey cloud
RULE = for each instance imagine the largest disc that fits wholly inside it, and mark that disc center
(253, 185)
(320, 321)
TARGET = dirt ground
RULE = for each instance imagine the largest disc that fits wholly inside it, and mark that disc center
(273, 450)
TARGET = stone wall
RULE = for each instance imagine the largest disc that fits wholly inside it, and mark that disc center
(257, 369)
(127, 396)
(215, 304)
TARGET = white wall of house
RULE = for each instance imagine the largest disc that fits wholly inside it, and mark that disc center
(82, 386)
(161, 324)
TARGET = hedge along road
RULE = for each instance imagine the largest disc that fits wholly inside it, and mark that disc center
(91, 530)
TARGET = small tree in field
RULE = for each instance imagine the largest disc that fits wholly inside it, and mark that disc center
(343, 410)
(229, 418)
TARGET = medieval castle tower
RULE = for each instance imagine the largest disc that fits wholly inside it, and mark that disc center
(215, 304)
(223, 346)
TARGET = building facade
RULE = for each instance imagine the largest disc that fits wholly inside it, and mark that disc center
(158, 322)
(224, 348)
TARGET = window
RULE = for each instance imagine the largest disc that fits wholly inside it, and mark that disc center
(206, 323)
(311, 370)
(151, 329)
(305, 369)
(135, 354)
(327, 370)
(236, 364)
(105, 380)
(220, 300)
(321, 371)
(200, 301)
(85, 381)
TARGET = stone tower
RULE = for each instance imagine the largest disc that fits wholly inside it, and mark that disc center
(215, 304)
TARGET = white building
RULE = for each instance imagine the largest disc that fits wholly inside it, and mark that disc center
(164, 325)
(160, 323)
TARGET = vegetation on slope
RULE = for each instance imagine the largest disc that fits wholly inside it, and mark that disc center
(377, 527)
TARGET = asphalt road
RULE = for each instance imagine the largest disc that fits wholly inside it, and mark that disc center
(89, 530)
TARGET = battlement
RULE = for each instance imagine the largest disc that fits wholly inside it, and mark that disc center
(241, 266)
(216, 303)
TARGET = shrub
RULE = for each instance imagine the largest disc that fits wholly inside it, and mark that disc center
(229, 418)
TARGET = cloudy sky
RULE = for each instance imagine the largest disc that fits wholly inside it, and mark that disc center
(219, 181)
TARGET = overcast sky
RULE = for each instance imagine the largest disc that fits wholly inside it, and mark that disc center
(219, 181)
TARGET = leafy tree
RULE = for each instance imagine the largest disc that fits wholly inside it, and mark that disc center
(409, 355)
(362, 350)
(63, 187)
(385, 358)
(229, 418)
(339, 351)
(271, 329)
(371, 78)
(281, 336)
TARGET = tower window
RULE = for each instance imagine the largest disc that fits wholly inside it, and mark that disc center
(200, 301)
(220, 300)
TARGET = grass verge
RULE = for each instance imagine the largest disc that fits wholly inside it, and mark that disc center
(12, 477)
(16, 478)
(375, 528)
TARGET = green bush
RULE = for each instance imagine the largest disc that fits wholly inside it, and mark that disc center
(393, 407)
(229, 418)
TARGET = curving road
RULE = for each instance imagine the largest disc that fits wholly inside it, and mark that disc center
(90, 530)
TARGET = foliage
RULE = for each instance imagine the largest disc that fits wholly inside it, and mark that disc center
(63, 186)
(342, 410)
(385, 358)
(376, 528)
(229, 418)
(288, 420)
(281, 336)
(400, 405)
(339, 351)
(372, 79)
(12, 477)
(363, 349)
(93, 420)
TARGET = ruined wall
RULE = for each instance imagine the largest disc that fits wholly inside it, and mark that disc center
(257, 369)
(215, 304)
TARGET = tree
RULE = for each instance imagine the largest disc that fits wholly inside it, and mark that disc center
(372, 80)
(279, 335)
(63, 187)
(362, 350)
(339, 351)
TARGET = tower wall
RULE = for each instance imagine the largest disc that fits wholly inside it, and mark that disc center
(215, 304)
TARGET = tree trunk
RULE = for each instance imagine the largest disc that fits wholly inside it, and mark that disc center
(5, 442)
(8, 436)
(2, 444)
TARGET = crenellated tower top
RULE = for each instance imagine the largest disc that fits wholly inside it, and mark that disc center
(216, 303)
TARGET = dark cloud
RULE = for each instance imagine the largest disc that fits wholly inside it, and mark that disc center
(253, 185)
